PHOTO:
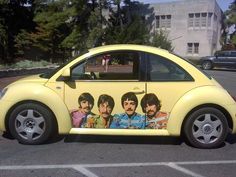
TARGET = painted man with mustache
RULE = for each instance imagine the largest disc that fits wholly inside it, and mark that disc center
(129, 119)
(155, 119)
(105, 106)
(81, 115)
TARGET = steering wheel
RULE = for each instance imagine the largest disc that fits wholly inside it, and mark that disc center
(93, 75)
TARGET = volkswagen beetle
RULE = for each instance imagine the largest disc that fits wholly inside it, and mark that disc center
(120, 90)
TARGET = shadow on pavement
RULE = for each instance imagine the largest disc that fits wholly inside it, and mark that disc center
(161, 140)
(231, 139)
(123, 139)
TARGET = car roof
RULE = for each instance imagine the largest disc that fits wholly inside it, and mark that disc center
(127, 47)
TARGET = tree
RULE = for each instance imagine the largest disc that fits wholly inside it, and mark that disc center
(125, 25)
(52, 21)
(160, 39)
(14, 16)
(231, 21)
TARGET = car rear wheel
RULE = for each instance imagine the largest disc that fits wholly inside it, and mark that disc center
(31, 123)
(207, 65)
(206, 128)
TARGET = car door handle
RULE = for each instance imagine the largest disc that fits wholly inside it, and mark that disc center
(137, 91)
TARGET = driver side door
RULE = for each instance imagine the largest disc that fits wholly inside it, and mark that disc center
(91, 80)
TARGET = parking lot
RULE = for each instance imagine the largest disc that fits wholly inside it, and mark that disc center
(124, 169)
(107, 156)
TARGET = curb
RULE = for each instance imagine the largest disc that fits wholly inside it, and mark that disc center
(22, 71)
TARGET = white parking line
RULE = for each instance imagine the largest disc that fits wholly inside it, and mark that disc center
(183, 170)
(82, 168)
(84, 171)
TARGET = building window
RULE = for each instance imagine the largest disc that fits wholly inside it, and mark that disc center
(196, 48)
(198, 20)
(193, 48)
(163, 21)
(190, 48)
(209, 19)
(190, 20)
(168, 21)
(203, 19)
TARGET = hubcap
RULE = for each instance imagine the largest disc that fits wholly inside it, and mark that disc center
(206, 65)
(207, 128)
(30, 124)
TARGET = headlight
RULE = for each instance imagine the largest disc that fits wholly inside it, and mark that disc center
(2, 92)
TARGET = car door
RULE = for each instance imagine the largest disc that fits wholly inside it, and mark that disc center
(98, 85)
(222, 59)
(166, 83)
(232, 59)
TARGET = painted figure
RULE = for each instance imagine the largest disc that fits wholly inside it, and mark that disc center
(105, 106)
(155, 119)
(129, 119)
(81, 115)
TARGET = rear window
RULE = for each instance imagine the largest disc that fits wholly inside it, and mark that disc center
(202, 71)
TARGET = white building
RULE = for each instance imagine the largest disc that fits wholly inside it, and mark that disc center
(193, 26)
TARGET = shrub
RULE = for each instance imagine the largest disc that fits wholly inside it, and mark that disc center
(30, 64)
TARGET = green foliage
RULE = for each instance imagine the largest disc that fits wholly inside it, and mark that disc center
(125, 25)
(52, 27)
(230, 22)
(14, 16)
(2, 67)
(30, 64)
(160, 39)
(22, 42)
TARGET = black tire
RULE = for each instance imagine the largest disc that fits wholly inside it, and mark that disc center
(207, 65)
(206, 128)
(31, 123)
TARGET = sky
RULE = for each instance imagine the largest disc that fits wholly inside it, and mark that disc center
(224, 4)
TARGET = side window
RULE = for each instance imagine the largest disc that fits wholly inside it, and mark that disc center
(233, 54)
(162, 69)
(122, 65)
(222, 54)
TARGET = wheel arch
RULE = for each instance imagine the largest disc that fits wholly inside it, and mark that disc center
(24, 102)
(39, 94)
(210, 96)
(220, 108)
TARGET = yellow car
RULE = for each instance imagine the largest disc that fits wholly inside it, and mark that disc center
(120, 90)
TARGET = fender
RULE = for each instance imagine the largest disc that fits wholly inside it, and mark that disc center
(37, 92)
(192, 99)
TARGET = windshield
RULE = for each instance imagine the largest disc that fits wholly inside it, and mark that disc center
(50, 73)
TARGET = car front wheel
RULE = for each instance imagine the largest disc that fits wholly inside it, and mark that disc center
(31, 123)
(206, 128)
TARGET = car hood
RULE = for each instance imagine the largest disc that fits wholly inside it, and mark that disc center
(31, 79)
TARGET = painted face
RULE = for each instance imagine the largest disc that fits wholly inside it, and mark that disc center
(151, 110)
(129, 107)
(85, 106)
(105, 110)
